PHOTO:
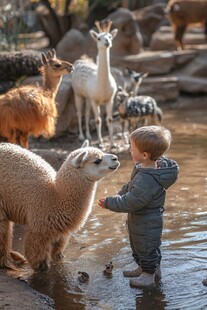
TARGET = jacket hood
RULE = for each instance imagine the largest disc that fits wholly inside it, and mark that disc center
(166, 173)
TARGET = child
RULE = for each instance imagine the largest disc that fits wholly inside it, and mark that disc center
(143, 198)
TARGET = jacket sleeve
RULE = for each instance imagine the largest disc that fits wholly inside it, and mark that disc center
(137, 198)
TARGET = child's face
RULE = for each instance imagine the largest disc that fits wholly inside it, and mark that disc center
(137, 156)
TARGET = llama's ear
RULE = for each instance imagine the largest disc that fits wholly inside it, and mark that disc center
(85, 144)
(53, 52)
(44, 59)
(144, 74)
(78, 161)
(114, 33)
(94, 34)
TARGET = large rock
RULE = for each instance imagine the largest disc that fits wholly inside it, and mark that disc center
(71, 46)
(162, 89)
(127, 42)
(149, 19)
(163, 38)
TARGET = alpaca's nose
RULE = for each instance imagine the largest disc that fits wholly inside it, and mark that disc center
(70, 68)
(115, 158)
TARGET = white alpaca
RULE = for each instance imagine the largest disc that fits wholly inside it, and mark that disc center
(95, 83)
(51, 204)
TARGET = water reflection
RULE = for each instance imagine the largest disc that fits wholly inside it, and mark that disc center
(104, 237)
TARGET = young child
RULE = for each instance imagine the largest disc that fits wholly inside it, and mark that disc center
(143, 198)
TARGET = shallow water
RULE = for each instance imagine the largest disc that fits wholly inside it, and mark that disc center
(104, 237)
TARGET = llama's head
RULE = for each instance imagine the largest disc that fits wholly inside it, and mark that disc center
(121, 99)
(105, 37)
(94, 163)
(54, 66)
(136, 77)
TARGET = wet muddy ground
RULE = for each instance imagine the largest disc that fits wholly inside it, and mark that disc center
(104, 237)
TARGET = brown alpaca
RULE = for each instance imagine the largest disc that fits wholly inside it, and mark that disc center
(31, 109)
(185, 12)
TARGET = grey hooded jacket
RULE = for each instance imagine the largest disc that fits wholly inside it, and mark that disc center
(145, 193)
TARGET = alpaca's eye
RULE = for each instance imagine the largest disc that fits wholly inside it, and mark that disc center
(99, 38)
(57, 65)
(98, 161)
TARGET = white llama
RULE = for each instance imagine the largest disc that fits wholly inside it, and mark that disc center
(95, 83)
(51, 204)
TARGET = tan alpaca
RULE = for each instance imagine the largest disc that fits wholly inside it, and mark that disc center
(31, 109)
(51, 204)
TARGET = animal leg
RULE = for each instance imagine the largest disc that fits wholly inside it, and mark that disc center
(79, 107)
(109, 121)
(58, 247)
(179, 32)
(24, 140)
(8, 258)
(38, 250)
(124, 134)
(87, 118)
(97, 114)
(206, 30)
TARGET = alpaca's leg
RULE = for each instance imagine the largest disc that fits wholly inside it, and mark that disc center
(206, 29)
(38, 250)
(179, 33)
(97, 115)
(24, 140)
(109, 121)
(6, 231)
(87, 118)
(79, 107)
(125, 130)
(12, 138)
(8, 258)
(58, 247)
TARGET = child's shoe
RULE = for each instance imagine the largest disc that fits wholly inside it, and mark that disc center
(137, 272)
(145, 280)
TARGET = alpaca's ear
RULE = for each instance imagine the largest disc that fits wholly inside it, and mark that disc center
(144, 74)
(114, 33)
(79, 160)
(44, 59)
(85, 144)
(94, 34)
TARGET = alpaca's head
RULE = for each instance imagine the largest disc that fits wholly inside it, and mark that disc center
(136, 77)
(94, 163)
(54, 66)
(104, 38)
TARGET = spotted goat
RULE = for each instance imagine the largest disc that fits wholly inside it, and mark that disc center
(136, 111)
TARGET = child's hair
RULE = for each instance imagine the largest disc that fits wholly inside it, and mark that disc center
(155, 140)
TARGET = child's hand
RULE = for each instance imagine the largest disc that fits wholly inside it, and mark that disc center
(101, 203)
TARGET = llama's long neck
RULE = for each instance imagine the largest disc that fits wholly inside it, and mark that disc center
(75, 194)
(103, 63)
(51, 84)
